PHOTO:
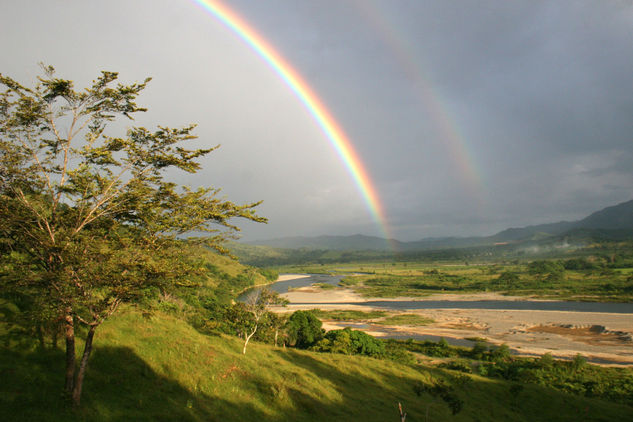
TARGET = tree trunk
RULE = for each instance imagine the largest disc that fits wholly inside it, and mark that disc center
(70, 350)
(403, 415)
(276, 335)
(82, 366)
(247, 338)
(40, 336)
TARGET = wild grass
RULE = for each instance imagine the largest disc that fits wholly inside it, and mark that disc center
(349, 315)
(160, 368)
(324, 286)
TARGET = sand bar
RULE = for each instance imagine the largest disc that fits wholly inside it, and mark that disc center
(602, 337)
(286, 277)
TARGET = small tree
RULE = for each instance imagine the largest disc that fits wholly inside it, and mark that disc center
(508, 278)
(276, 322)
(255, 306)
(87, 219)
(304, 329)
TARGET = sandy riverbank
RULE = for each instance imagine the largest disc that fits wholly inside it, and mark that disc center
(604, 337)
(286, 277)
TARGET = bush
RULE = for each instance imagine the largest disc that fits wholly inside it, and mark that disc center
(461, 365)
(479, 351)
(508, 278)
(549, 270)
(304, 329)
(270, 274)
(352, 342)
(396, 352)
(500, 353)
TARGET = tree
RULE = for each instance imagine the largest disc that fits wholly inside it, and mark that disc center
(255, 307)
(304, 329)
(352, 342)
(87, 219)
(273, 325)
(547, 270)
(508, 278)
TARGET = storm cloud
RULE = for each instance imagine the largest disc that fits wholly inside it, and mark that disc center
(469, 116)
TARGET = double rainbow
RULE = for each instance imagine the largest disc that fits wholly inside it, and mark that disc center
(334, 133)
(445, 124)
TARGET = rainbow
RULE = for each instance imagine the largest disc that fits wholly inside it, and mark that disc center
(446, 126)
(332, 130)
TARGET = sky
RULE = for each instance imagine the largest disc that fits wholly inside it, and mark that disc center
(469, 117)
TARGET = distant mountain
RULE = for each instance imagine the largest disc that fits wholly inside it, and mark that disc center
(616, 217)
(609, 223)
(515, 234)
(337, 243)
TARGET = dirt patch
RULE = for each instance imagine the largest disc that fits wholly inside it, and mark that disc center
(232, 369)
(593, 334)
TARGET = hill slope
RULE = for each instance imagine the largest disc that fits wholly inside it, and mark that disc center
(162, 369)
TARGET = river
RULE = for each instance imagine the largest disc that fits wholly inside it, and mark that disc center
(525, 325)
(399, 305)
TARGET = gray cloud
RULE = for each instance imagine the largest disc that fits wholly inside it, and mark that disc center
(538, 93)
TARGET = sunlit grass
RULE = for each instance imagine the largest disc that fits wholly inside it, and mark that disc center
(349, 315)
(160, 368)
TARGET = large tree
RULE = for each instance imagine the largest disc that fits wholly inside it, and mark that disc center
(87, 218)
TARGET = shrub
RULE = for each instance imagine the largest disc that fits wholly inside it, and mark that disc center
(352, 342)
(304, 329)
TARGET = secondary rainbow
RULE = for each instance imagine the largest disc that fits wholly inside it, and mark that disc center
(310, 100)
(446, 126)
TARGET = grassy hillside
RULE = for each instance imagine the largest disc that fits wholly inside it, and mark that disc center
(160, 368)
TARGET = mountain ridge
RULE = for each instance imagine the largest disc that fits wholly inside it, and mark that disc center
(612, 218)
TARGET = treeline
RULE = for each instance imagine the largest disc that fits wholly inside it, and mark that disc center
(614, 254)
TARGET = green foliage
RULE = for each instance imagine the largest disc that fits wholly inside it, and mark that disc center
(348, 315)
(270, 274)
(546, 361)
(351, 342)
(88, 220)
(461, 365)
(577, 264)
(549, 270)
(500, 353)
(479, 350)
(441, 389)
(162, 369)
(304, 329)
(507, 278)
(431, 348)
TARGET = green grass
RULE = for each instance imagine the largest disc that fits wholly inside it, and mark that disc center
(324, 286)
(405, 319)
(348, 315)
(162, 369)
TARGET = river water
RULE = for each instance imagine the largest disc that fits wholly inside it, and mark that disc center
(607, 307)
